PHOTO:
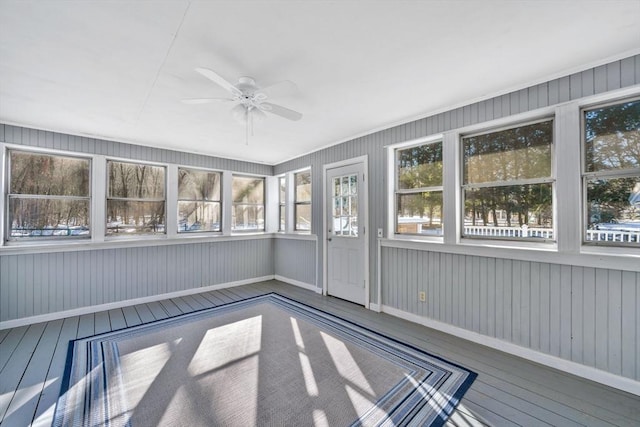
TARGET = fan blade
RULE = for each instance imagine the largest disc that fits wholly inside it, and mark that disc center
(281, 111)
(220, 81)
(204, 100)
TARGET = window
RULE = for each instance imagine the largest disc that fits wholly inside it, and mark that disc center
(611, 174)
(48, 196)
(247, 194)
(508, 184)
(282, 197)
(199, 208)
(302, 203)
(135, 199)
(345, 205)
(418, 193)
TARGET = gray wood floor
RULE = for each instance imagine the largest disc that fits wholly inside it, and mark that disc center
(508, 390)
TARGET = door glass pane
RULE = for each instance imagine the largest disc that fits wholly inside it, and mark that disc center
(336, 206)
(353, 179)
(345, 185)
(345, 206)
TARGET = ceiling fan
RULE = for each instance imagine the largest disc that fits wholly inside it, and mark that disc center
(250, 98)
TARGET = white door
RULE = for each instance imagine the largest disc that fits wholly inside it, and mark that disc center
(345, 233)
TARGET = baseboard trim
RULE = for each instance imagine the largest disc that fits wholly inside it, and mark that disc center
(126, 303)
(374, 307)
(298, 283)
(593, 374)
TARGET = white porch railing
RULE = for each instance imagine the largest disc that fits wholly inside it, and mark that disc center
(613, 236)
(524, 231)
(546, 233)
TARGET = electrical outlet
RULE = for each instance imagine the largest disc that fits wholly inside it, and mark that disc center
(422, 295)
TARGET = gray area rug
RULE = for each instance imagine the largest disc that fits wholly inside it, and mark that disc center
(262, 361)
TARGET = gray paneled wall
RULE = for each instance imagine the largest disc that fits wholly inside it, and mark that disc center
(616, 75)
(589, 316)
(586, 315)
(44, 283)
(296, 259)
(81, 144)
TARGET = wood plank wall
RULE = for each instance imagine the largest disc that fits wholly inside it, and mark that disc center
(586, 315)
(43, 283)
(605, 78)
(296, 259)
(589, 316)
(79, 144)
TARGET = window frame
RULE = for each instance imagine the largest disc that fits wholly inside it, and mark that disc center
(397, 191)
(585, 176)
(552, 179)
(233, 204)
(282, 203)
(165, 200)
(219, 200)
(297, 203)
(6, 238)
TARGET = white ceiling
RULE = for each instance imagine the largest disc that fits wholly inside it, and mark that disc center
(118, 69)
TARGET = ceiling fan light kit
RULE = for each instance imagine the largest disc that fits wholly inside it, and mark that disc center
(250, 100)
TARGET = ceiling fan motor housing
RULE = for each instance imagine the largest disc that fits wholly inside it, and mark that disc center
(247, 85)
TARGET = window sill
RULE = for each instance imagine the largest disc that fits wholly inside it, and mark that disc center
(296, 236)
(28, 248)
(545, 253)
(418, 238)
(611, 251)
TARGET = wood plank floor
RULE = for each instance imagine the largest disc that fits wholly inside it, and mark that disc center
(508, 390)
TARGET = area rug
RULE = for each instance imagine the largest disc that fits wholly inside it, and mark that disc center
(267, 360)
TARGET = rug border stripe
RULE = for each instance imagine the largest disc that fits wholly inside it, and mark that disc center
(440, 416)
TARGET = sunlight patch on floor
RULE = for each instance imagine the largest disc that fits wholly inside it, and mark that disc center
(320, 418)
(226, 344)
(296, 333)
(364, 405)
(305, 363)
(24, 395)
(345, 363)
(307, 372)
(437, 400)
(143, 366)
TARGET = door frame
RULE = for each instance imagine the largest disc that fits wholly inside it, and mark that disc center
(363, 218)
